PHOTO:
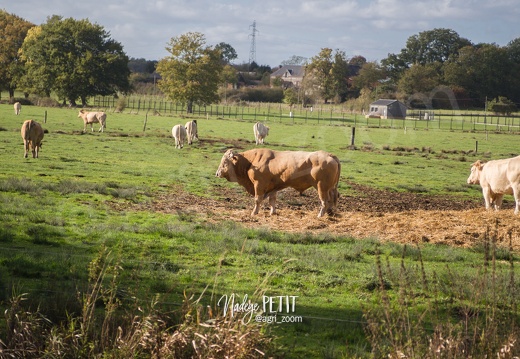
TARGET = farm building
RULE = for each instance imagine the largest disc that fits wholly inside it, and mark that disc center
(291, 75)
(386, 109)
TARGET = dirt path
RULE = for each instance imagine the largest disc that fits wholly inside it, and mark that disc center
(399, 217)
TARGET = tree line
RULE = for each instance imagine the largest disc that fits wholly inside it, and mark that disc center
(75, 60)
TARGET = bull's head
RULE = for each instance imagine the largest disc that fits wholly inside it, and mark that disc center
(476, 169)
(226, 169)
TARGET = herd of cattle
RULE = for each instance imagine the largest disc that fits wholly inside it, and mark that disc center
(263, 172)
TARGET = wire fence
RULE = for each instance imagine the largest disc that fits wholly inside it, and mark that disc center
(452, 120)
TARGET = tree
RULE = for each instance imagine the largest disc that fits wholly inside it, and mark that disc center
(13, 30)
(329, 72)
(483, 71)
(369, 77)
(74, 58)
(295, 60)
(418, 79)
(227, 52)
(192, 73)
(431, 46)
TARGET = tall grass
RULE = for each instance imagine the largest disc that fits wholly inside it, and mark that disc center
(476, 317)
(108, 328)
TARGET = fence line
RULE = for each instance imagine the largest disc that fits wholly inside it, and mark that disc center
(318, 114)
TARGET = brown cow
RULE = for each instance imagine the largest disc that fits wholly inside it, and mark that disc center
(32, 134)
(91, 118)
(263, 172)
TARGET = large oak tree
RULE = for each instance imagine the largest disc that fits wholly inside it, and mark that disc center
(75, 59)
(192, 72)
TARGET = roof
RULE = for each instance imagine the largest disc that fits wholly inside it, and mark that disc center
(294, 70)
(383, 102)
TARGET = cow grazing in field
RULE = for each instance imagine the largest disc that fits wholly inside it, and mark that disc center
(191, 131)
(497, 178)
(93, 117)
(179, 134)
(17, 108)
(32, 135)
(263, 172)
(261, 131)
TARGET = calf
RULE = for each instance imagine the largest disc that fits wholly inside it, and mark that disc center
(260, 131)
(17, 108)
(191, 131)
(91, 118)
(179, 134)
(497, 177)
(32, 135)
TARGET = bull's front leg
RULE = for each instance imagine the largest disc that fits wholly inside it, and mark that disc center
(486, 192)
(272, 203)
(258, 202)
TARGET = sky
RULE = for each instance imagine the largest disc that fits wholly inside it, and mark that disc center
(283, 28)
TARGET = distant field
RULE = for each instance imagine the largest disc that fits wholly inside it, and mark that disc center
(173, 226)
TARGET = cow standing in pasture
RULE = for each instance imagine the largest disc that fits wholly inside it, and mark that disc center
(32, 135)
(191, 131)
(17, 108)
(260, 131)
(263, 172)
(497, 177)
(91, 118)
(179, 134)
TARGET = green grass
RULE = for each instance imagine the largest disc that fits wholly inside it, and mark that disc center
(56, 212)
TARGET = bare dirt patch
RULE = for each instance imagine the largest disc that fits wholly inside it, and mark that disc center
(369, 213)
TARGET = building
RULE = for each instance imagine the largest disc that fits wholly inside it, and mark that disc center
(291, 75)
(387, 109)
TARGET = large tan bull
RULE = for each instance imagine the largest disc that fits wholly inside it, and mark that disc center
(91, 118)
(497, 177)
(32, 135)
(263, 172)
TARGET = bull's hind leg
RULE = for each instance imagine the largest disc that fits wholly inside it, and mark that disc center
(516, 193)
(26, 148)
(325, 199)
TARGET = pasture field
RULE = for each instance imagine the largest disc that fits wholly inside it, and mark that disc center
(410, 256)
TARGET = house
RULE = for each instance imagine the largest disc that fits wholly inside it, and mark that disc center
(387, 109)
(291, 75)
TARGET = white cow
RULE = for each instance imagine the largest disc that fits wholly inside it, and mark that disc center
(179, 134)
(261, 131)
(17, 108)
(191, 131)
(497, 178)
(93, 117)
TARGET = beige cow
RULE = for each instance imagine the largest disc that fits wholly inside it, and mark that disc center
(17, 108)
(32, 135)
(263, 172)
(191, 131)
(179, 134)
(497, 177)
(91, 118)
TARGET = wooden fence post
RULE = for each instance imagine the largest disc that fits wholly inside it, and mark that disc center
(353, 136)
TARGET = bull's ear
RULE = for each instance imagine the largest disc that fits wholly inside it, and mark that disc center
(230, 154)
(479, 165)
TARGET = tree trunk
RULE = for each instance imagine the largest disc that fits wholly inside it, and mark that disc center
(189, 107)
